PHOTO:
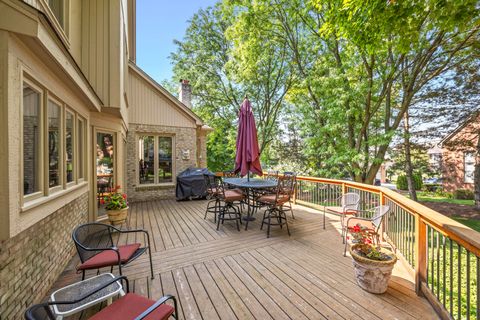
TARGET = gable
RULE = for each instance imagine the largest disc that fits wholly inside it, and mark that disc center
(150, 104)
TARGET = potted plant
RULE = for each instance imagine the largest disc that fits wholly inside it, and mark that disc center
(116, 205)
(373, 264)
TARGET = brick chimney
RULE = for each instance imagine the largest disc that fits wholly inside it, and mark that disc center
(185, 93)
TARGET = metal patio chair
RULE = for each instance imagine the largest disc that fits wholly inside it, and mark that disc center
(213, 189)
(96, 249)
(372, 219)
(276, 203)
(349, 202)
(230, 201)
(130, 306)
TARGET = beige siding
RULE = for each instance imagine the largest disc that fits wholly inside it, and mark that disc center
(95, 46)
(149, 106)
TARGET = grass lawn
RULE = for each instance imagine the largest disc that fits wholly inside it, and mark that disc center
(422, 196)
(472, 223)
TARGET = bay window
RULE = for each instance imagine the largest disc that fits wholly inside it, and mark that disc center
(155, 159)
(52, 137)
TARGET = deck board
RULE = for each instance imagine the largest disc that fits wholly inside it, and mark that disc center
(227, 274)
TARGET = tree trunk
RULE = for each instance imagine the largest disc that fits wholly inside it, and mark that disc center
(408, 159)
(476, 178)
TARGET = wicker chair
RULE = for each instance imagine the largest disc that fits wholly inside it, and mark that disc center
(276, 204)
(96, 249)
(371, 219)
(129, 306)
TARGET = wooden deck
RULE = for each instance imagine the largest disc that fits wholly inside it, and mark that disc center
(228, 274)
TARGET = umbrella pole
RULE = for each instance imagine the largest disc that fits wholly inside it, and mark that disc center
(248, 176)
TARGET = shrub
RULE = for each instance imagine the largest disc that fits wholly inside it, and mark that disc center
(464, 194)
(402, 183)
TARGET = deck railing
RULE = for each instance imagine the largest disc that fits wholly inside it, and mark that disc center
(442, 254)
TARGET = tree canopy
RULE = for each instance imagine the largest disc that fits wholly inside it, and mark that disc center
(346, 71)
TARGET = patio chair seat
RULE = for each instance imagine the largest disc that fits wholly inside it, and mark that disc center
(231, 196)
(339, 210)
(109, 257)
(132, 305)
(270, 199)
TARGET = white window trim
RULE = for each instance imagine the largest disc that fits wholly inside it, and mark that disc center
(41, 192)
(155, 160)
(465, 167)
(46, 193)
(74, 147)
(61, 167)
(81, 153)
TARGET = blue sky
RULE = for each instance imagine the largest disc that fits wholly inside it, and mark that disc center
(159, 22)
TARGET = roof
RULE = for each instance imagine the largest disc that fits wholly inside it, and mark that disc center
(164, 92)
(460, 127)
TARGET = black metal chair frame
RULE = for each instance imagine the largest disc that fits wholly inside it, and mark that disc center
(79, 246)
(213, 206)
(228, 207)
(275, 210)
(30, 313)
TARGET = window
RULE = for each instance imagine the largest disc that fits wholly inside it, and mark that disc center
(32, 124)
(57, 7)
(69, 154)
(81, 148)
(53, 142)
(155, 159)
(146, 163)
(469, 167)
(164, 159)
(54, 122)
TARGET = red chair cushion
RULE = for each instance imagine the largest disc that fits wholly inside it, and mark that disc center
(109, 257)
(231, 196)
(131, 306)
(270, 199)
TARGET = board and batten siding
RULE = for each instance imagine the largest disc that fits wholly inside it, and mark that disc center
(151, 107)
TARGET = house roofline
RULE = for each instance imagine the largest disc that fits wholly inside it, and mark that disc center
(166, 93)
(459, 128)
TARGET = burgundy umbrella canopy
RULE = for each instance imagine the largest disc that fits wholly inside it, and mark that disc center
(247, 158)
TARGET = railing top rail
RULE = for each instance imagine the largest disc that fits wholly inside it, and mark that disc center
(465, 236)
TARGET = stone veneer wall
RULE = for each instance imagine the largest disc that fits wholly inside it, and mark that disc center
(184, 139)
(31, 261)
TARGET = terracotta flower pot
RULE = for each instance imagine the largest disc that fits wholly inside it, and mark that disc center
(117, 216)
(372, 275)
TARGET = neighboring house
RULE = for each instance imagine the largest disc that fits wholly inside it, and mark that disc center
(459, 154)
(77, 117)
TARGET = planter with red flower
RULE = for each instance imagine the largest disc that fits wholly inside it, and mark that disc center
(373, 264)
(116, 205)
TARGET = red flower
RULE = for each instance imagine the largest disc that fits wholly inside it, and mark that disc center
(102, 201)
(124, 196)
(356, 228)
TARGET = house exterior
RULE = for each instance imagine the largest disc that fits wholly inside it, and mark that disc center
(459, 155)
(77, 116)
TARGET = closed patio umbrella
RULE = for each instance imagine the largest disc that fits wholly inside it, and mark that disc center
(247, 158)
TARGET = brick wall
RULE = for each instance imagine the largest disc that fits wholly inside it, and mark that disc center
(184, 139)
(31, 261)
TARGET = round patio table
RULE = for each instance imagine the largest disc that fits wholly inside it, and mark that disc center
(249, 185)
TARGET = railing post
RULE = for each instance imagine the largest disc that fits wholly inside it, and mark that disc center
(295, 192)
(420, 253)
(344, 188)
(384, 221)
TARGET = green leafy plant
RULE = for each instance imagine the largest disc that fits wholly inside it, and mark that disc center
(402, 183)
(363, 237)
(115, 200)
(463, 194)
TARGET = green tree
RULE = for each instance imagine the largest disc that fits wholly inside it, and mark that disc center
(360, 65)
(220, 78)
